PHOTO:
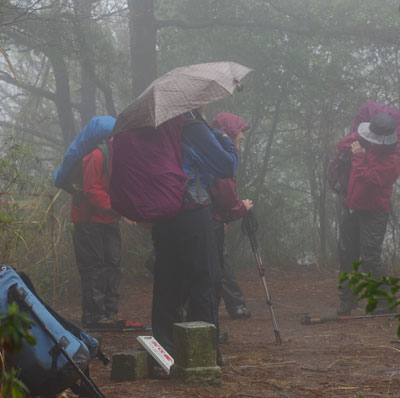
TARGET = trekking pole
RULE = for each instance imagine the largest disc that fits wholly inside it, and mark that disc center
(119, 330)
(308, 320)
(21, 294)
(249, 228)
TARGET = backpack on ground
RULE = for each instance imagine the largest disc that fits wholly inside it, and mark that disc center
(95, 134)
(62, 351)
(147, 182)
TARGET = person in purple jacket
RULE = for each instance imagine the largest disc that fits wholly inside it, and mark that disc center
(229, 207)
(187, 265)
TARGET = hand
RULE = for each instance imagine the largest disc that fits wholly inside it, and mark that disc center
(356, 147)
(248, 204)
(129, 222)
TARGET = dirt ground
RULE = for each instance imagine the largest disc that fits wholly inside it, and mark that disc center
(353, 358)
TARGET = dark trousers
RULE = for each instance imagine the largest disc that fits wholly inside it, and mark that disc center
(361, 235)
(228, 289)
(186, 271)
(231, 292)
(98, 255)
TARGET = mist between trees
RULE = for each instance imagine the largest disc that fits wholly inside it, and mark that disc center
(315, 63)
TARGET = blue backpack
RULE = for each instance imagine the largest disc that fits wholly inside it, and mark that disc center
(68, 175)
(62, 351)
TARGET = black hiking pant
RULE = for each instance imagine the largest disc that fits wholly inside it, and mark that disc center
(98, 255)
(186, 270)
(361, 235)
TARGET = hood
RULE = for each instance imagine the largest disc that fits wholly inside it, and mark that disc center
(230, 124)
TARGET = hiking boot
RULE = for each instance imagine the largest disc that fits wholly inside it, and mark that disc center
(101, 323)
(92, 324)
(114, 318)
(240, 312)
(223, 337)
(346, 307)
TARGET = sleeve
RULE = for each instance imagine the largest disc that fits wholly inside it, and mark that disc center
(380, 174)
(217, 152)
(223, 192)
(94, 183)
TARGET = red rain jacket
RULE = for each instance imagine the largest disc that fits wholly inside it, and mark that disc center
(227, 205)
(373, 174)
(95, 185)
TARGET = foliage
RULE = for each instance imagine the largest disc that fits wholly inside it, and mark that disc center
(14, 331)
(13, 180)
(364, 286)
(314, 63)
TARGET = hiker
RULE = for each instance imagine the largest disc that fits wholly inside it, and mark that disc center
(97, 241)
(228, 207)
(375, 166)
(187, 266)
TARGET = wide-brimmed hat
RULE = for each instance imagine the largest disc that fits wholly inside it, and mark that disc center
(381, 130)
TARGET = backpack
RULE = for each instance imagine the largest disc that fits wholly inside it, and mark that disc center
(339, 172)
(95, 134)
(43, 367)
(147, 182)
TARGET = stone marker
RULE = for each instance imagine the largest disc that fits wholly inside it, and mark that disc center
(195, 353)
(130, 365)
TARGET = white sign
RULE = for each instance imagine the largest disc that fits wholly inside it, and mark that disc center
(153, 347)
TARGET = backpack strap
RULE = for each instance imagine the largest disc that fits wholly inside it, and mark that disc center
(105, 150)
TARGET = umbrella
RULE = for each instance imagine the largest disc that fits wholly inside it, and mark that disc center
(181, 90)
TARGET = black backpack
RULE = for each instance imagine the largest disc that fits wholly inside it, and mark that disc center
(339, 172)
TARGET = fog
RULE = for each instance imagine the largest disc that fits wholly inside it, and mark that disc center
(315, 62)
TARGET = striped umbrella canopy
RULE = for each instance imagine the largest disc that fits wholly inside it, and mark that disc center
(181, 90)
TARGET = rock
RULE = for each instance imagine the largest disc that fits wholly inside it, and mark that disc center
(130, 365)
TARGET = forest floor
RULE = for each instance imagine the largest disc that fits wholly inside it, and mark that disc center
(352, 358)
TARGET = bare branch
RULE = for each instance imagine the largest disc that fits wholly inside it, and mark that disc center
(4, 76)
(389, 35)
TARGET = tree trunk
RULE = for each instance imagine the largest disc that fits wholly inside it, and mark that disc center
(267, 155)
(143, 34)
(82, 23)
(62, 95)
(88, 93)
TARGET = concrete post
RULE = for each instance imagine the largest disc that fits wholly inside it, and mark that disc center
(195, 353)
(130, 365)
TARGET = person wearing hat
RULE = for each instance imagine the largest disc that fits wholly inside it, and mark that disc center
(375, 166)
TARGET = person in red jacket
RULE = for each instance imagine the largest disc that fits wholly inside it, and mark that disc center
(97, 240)
(229, 207)
(375, 166)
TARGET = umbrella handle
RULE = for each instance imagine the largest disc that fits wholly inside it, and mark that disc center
(239, 85)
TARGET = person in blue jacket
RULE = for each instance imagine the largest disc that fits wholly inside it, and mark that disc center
(187, 266)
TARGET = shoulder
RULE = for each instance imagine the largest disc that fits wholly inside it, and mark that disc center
(191, 126)
(95, 156)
